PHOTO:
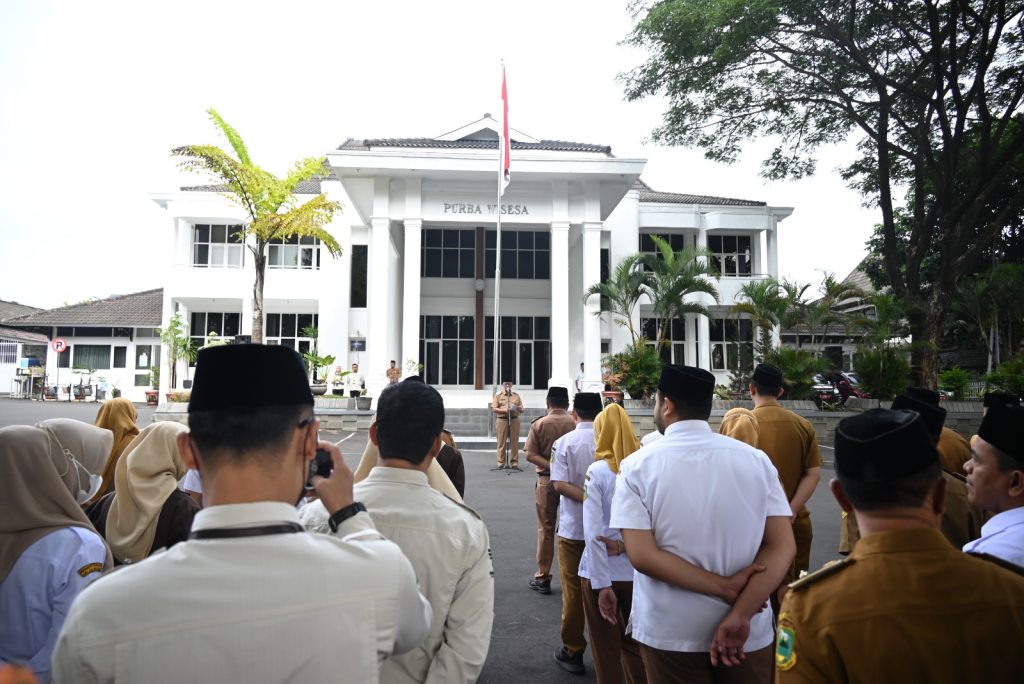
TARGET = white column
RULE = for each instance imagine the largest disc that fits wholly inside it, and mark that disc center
(691, 339)
(773, 265)
(703, 324)
(411, 292)
(560, 304)
(377, 308)
(591, 323)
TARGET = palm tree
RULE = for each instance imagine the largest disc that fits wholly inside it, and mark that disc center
(673, 276)
(620, 293)
(269, 202)
(766, 302)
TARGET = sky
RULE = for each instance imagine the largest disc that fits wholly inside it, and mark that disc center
(94, 95)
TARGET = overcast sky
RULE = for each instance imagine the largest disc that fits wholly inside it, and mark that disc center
(94, 95)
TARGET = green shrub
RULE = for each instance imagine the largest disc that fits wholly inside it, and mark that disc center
(1008, 376)
(798, 369)
(635, 370)
(955, 380)
(883, 372)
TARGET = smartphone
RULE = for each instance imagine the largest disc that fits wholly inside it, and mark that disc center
(320, 465)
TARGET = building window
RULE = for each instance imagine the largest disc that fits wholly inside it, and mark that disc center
(8, 351)
(358, 290)
(142, 380)
(675, 350)
(145, 332)
(147, 356)
(217, 246)
(525, 254)
(676, 240)
(80, 331)
(90, 356)
(205, 325)
(64, 358)
(447, 351)
(287, 330)
(294, 252)
(525, 350)
(448, 253)
(120, 357)
(730, 254)
(732, 344)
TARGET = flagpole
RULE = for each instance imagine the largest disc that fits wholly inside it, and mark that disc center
(497, 241)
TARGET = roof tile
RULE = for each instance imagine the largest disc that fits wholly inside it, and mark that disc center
(142, 309)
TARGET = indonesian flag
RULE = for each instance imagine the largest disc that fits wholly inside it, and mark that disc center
(504, 144)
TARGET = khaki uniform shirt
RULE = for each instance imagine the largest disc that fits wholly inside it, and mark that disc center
(394, 374)
(545, 430)
(904, 607)
(791, 444)
(502, 401)
(954, 451)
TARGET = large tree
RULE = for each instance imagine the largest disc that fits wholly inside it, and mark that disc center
(620, 293)
(673, 276)
(273, 211)
(931, 89)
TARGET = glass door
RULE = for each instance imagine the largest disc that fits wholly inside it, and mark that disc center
(525, 364)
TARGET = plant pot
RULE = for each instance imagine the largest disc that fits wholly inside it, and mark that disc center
(363, 403)
(115, 393)
(152, 397)
(318, 390)
(186, 384)
(612, 397)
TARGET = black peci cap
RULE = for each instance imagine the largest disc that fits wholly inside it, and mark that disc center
(883, 445)
(768, 376)
(933, 415)
(686, 383)
(928, 396)
(587, 401)
(558, 393)
(243, 377)
(995, 398)
(1003, 428)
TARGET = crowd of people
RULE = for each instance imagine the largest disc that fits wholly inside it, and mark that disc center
(243, 548)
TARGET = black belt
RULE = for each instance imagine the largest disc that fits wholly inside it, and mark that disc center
(547, 474)
(234, 532)
(506, 417)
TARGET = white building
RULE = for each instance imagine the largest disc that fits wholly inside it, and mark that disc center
(415, 281)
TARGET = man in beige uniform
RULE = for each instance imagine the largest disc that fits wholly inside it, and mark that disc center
(394, 373)
(543, 433)
(507, 406)
(792, 445)
(905, 606)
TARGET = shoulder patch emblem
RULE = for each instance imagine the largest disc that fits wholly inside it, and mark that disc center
(89, 569)
(785, 644)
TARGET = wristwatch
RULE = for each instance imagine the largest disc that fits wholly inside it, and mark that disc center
(343, 514)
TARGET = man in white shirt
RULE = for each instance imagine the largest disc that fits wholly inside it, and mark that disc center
(580, 377)
(251, 596)
(995, 482)
(446, 542)
(697, 511)
(571, 456)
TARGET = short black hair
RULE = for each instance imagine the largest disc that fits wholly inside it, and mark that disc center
(687, 409)
(222, 436)
(765, 390)
(585, 414)
(410, 416)
(558, 403)
(871, 493)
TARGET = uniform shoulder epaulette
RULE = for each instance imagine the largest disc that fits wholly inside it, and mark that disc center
(1001, 562)
(463, 506)
(538, 418)
(827, 570)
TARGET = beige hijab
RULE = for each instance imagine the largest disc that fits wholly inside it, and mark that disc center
(146, 474)
(38, 482)
(436, 477)
(740, 424)
(614, 436)
(118, 416)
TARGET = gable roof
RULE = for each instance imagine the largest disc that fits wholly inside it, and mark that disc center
(649, 195)
(473, 144)
(309, 187)
(14, 309)
(23, 336)
(139, 309)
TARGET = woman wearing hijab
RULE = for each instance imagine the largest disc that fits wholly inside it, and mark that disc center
(740, 424)
(608, 579)
(118, 416)
(146, 511)
(49, 551)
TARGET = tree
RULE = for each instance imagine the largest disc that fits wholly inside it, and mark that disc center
(621, 293)
(179, 345)
(765, 301)
(272, 210)
(991, 302)
(933, 90)
(673, 276)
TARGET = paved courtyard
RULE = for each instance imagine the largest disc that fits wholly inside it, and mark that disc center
(526, 624)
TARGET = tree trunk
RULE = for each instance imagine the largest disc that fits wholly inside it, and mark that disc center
(926, 331)
(260, 262)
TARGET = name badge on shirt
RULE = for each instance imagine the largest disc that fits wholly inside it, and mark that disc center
(89, 569)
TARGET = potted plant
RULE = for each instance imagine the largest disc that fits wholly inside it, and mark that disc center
(115, 393)
(175, 338)
(363, 401)
(317, 364)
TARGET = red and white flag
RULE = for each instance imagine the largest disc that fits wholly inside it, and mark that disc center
(504, 144)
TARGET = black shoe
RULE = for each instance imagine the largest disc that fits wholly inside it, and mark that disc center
(569, 663)
(540, 586)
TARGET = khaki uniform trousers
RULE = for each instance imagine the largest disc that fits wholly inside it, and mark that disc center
(547, 516)
(508, 432)
(570, 551)
(678, 667)
(616, 654)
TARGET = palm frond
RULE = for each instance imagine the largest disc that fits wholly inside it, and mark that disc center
(233, 138)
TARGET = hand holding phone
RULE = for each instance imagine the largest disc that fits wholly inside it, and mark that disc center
(320, 465)
(335, 489)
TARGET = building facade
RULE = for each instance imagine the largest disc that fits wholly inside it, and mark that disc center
(416, 279)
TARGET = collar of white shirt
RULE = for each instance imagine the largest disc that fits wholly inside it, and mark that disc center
(1001, 521)
(401, 475)
(244, 515)
(687, 426)
(588, 425)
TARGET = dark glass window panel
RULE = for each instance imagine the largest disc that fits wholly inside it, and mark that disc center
(64, 358)
(489, 263)
(665, 351)
(730, 265)
(304, 346)
(422, 356)
(218, 234)
(646, 243)
(122, 332)
(273, 325)
(730, 329)
(202, 255)
(202, 233)
(147, 351)
(288, 342)
(433, 328)
(450, 264)
(199, 323)
(678, 242)
(234, 233)
(467, 239)
(541, 240)
(508, 239)
(525, 239)
(729, 243)
(466, 363)
(91, 356)
(307, 258)
(542, 266)
(605, 264)
(449, 327)
(357, 298)
(214, 323)
(525, 327)
(743, 242)
(746, 330)
(744, 265)
(120, 357)
(716, 262)
(489, 327)
(525, 269)
(507, 370)
(542, 328)
(715, 243)
(508, 264)
(541, 364)
(649, 328)
(732, 353)
(525, 364)
(450, 238)
(489, 364)
(197, 342)
(678, 329)
(467, 263)
(508, 327)
(304, 321)
(717, 356)
(288, 325)
(717, 330)
(63, 331)
(432, 238)
(231, 324)
(490, 239)
(432, 264)
(449, 362)
(466, 331)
